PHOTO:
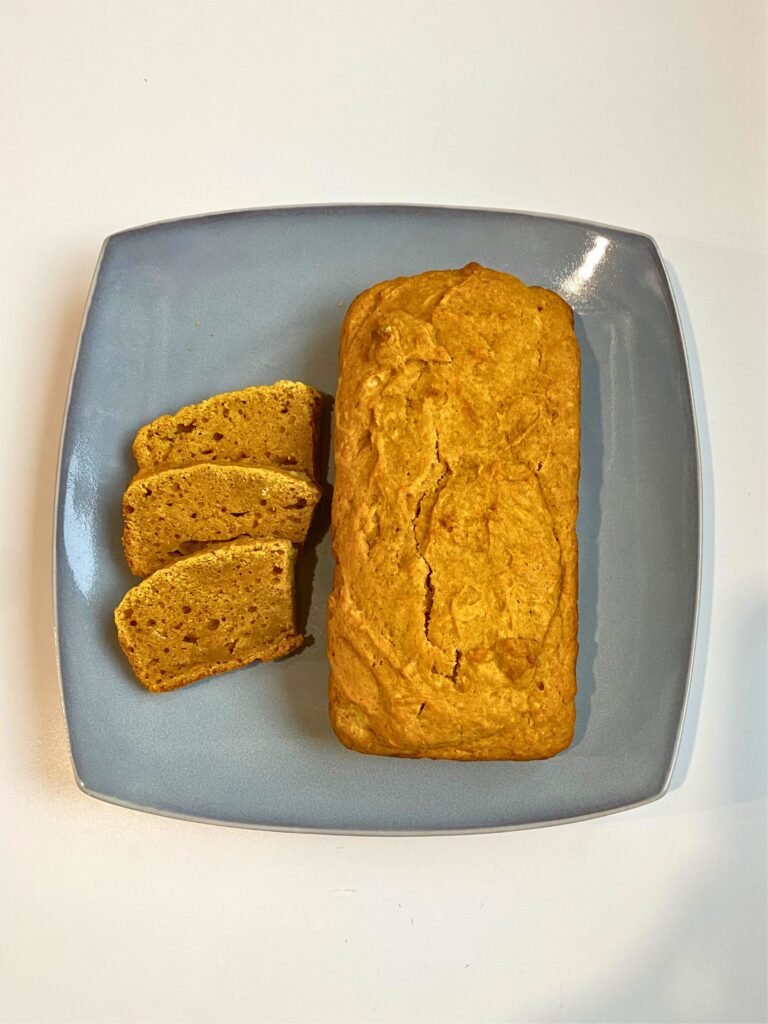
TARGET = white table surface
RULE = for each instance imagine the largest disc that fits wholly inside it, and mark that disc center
(646, 115)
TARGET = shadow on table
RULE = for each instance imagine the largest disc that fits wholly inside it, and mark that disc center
(51, 749)
(744, 733)
(693, 710)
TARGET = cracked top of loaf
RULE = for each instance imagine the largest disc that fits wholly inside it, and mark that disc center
(452, 624)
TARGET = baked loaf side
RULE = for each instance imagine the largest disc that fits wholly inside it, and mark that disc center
(210, 613)
(452, 624)
(277, 425)
(177, 512)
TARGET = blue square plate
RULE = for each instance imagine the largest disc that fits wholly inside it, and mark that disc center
(189, 308)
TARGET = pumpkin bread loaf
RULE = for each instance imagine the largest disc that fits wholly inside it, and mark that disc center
(452, 626)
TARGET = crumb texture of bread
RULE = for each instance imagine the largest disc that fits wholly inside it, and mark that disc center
(177, 512)
(209, 613)
(275, 425)
(452, 625)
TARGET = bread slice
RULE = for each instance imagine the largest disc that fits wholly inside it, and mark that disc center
(178, 512)
(277, 425)
(209, 613)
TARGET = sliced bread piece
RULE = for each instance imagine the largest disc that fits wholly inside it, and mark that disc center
(277, 425)
(178, 512)
(209, 613)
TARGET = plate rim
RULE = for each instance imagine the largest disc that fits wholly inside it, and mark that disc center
(682, 347)
(470, 830)
(364, 205)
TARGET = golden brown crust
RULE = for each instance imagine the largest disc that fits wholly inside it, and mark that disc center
(453, 620)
